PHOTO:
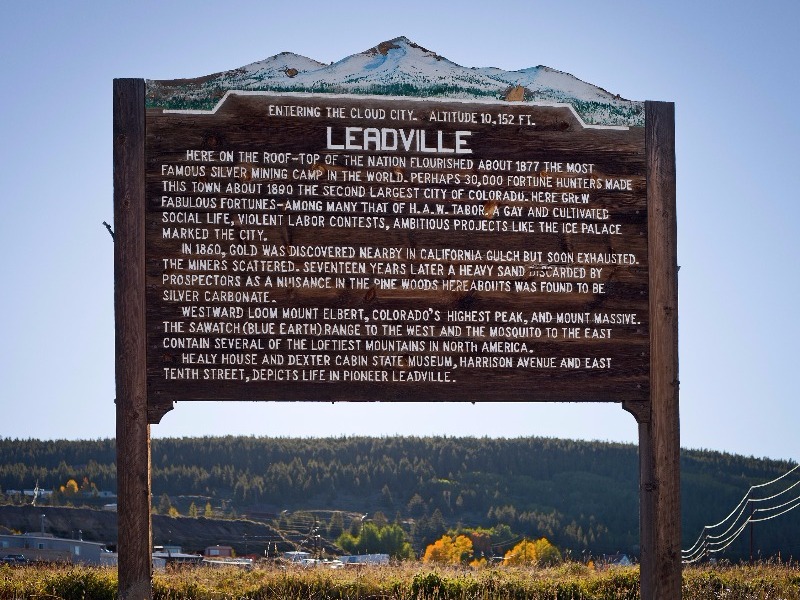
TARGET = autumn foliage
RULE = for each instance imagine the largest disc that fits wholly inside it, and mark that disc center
(449, 550)
(459, 549)
(528, 553)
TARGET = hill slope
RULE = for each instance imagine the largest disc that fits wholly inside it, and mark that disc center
(583, 496)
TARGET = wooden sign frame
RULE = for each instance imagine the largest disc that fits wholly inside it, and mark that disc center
(657, 415)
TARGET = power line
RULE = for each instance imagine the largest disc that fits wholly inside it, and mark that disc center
(753, 511)
(738, 510)
(708, 542)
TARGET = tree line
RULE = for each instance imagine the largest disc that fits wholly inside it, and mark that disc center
(581, 496)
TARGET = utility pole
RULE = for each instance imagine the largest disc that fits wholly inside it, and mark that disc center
(752, 535)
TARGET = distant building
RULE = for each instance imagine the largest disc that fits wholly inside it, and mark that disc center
(365, 559)
(38, 493)
(38, 547)
(242, 563)
(174, 555)
(296, 556)
(222, 556)
(218, 552)
(616, 560)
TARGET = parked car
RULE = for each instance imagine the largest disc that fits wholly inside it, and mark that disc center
(15, 559)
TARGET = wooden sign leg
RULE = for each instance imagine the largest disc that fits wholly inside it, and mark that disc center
(134, 531)
(658, 420)
(663, 429)
(647, 504)
(659, 504)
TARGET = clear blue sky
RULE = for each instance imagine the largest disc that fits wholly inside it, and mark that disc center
(730, 67)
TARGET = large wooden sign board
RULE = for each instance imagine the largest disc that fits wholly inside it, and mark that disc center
(309, 247)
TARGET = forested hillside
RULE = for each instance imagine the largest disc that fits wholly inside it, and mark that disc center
(582, 496)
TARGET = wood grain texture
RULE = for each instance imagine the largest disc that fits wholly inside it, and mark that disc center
(661, 577)
(242, 124)
(133, 433)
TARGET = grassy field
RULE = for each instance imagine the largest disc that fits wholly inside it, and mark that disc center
(407, 582)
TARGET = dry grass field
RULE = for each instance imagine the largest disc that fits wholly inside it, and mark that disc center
(408, 581)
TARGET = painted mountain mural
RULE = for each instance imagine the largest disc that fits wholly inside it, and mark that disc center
(399, 67)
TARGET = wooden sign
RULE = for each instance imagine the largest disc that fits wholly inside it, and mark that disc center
(309, 247)
(395, 227)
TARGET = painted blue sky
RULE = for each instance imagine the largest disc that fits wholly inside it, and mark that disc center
(730, 67)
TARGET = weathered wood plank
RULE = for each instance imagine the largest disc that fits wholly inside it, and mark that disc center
(248, 124)
(661, 577)
(133, 433)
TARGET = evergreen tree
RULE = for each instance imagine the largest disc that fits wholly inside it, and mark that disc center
(579, 495)
(380, 520)
(335, 525)
(164, 504)
(355, 526)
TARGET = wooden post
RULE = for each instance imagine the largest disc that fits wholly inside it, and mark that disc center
(647, 517)
(660, 451)
(134, 535)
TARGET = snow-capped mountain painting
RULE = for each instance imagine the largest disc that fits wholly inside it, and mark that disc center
(399, 68)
